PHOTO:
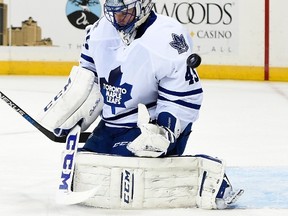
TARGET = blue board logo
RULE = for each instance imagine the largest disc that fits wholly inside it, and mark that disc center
(81, 13)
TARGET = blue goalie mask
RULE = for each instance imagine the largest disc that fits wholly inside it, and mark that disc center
(127, 15)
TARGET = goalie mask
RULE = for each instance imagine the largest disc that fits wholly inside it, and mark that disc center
(127, 15)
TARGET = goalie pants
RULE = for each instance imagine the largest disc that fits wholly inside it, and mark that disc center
(112, 140)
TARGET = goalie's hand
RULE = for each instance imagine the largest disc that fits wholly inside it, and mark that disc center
(154, 140)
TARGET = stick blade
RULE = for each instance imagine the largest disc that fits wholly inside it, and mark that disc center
(72, 198)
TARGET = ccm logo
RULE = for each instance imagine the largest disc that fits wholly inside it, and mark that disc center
(68, 162)
(50, 104)
(127, 186)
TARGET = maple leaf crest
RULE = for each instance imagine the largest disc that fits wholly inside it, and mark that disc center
(179, 43)
(114, 94)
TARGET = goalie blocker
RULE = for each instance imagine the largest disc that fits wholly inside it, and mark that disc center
(138, 183)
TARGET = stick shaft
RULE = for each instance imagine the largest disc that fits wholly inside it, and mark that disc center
(43, 130)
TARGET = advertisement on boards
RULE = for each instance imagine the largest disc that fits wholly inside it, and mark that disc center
(213, 25)
(52, 23)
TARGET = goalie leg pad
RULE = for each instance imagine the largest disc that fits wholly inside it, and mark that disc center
(211, 173)
(135, 183)
(169, 182)
(215, 190)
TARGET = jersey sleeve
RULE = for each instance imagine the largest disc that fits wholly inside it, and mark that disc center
(179, 91)
(86, 59)
(180, 95)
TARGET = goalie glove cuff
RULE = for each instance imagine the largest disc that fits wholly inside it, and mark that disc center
(60, 132)
(170, 124)
(168, 134)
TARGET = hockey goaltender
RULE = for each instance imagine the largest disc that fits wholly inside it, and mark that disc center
(133, 75)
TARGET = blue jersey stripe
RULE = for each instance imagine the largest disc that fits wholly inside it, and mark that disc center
(128, 113)
(180, 94)
(182, 103)
(87, 58)
(122, 124)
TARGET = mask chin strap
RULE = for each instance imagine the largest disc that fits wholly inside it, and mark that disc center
(127, 38)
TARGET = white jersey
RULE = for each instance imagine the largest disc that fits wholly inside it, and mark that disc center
(152, 70)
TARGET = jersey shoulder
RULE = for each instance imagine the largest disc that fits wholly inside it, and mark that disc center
(102, 30)
(167, 37)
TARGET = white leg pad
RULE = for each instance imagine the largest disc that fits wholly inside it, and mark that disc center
(211, 174)
(138, 183)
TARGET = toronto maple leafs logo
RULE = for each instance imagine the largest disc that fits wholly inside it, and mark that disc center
(115, 94)
(179, 43)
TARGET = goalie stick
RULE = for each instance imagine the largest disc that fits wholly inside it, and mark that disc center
(65, 195)
(83, 136)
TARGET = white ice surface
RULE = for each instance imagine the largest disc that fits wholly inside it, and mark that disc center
(244, 123)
